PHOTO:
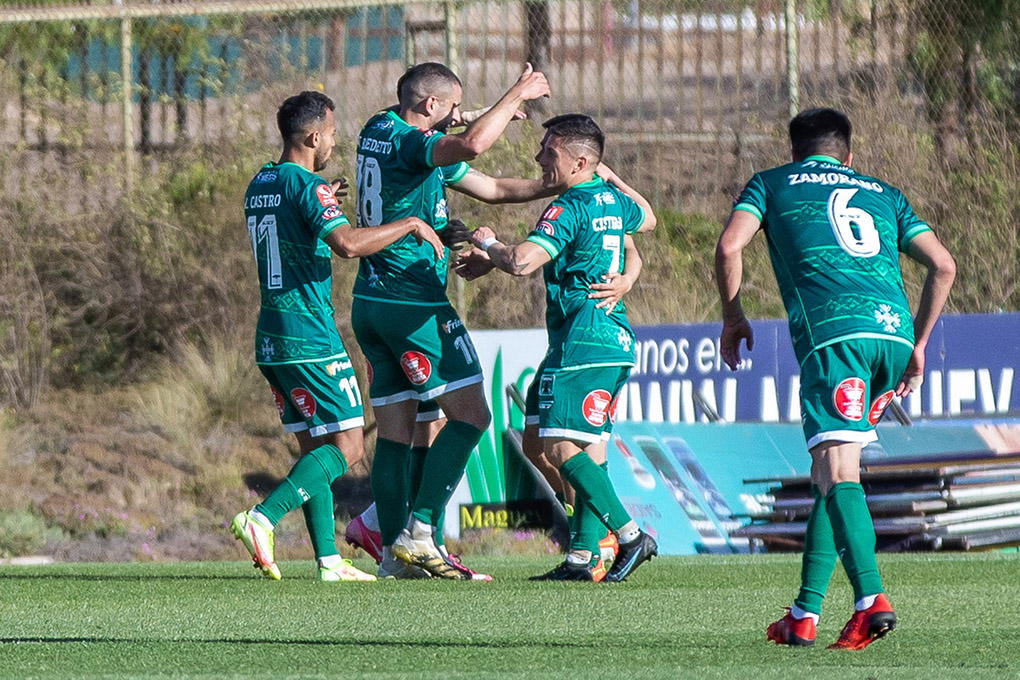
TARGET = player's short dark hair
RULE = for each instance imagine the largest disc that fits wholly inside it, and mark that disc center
(821, 131)
(424, 80)
(578, 129)
(300, 113)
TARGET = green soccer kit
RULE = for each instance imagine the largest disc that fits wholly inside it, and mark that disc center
(414, 341)
(583, 231)
(834, 238)
(289, 212)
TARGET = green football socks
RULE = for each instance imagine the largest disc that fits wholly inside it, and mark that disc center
(444, 467)
(318, 511)
(415, 471)
(854, 536)
(390, 487)
(819, 557)
(586, 529)
(591, 482)
(310, 476)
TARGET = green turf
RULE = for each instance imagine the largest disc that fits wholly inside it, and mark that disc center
(703, 617)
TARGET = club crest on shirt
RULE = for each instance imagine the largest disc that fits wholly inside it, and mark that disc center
(595, 407)
(848, 398)
(878, 407)
(416, 367)
(324, 193)
(267, 349)
(304, 401)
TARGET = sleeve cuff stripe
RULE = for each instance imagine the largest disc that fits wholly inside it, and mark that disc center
(747, 207)
(545, 244)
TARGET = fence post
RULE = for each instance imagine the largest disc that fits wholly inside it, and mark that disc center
(127, 111)
(792, 57)
(450, 37)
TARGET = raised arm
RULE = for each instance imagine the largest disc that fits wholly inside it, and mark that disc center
(489, 189)
(926, 249)
(729, 271)
(347, 241)
(519, 260)
(483, 133)
(606, 173)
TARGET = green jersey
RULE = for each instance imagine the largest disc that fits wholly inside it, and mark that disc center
(583, 230)
(290, 210)
(834, 239)
(396, 179)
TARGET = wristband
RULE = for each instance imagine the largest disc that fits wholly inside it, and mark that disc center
(487, 243)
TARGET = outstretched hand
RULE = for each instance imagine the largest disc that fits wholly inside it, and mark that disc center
(423, 233)
(340, 188)
(473, 264)
(610, 291)
(729, 341)
(455, 234)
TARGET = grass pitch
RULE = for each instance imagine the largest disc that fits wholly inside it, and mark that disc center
(703, 617)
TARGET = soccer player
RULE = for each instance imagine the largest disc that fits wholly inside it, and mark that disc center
(834, 237)
(294, 221)
(580, 237)
(416, 345)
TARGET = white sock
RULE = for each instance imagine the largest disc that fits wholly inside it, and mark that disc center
(628, 532)
(798, 613)
(865, 602)
(261, 519)
(370, 518)
(419, 530)
(330, 561)
(579, 557)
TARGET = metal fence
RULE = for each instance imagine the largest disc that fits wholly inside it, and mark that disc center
(693, 93)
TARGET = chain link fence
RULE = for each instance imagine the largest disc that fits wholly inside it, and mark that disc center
(708, 81)
(108, 106)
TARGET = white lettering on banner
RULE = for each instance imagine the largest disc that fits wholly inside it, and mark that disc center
(769, 400)
(794, 412)
(705, 356)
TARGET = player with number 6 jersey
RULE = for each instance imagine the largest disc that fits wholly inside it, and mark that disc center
(834, 237)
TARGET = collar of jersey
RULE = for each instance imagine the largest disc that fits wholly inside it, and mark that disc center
(821, 157)
(590, 183)
(393, 115)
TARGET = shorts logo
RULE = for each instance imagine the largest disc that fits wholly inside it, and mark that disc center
(878, 407)
(368, 370)
(416, 366)
(451, 325)
(278, 398)
(304, 401)
(545, 228)
(848, 398)
(324, 193)
(595, 407)
(552, 212)
(545, 385)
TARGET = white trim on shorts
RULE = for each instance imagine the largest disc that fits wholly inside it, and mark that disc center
(850, 436)
(564, 433)
(429, 416)
(328, 428)
(450, 387)
(406, 395)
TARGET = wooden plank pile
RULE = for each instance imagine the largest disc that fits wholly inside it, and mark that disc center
(961, 504)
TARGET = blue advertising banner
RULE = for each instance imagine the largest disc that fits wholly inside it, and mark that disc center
(970, 367)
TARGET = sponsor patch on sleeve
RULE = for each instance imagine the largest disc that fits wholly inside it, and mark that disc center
(331, 213)
(552, 212)
(545, 228)
(324, 193)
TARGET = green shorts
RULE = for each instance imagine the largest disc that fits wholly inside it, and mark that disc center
(845, 388)
(319, 396)
(579, 404)
(413, 352)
